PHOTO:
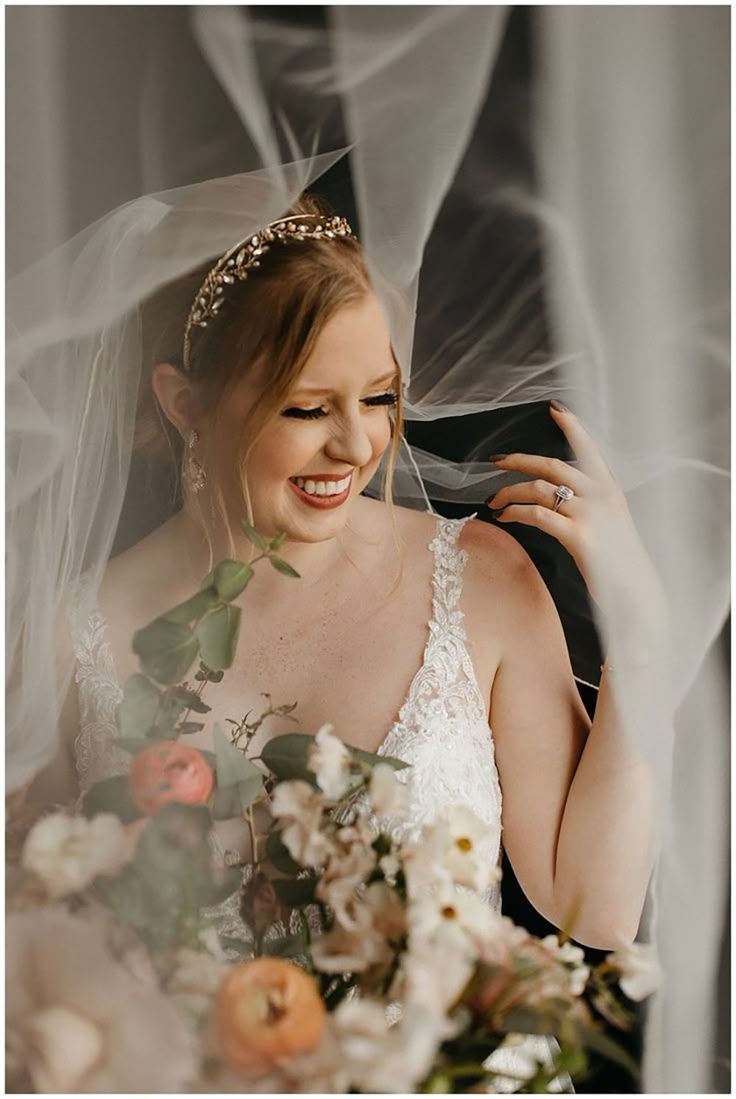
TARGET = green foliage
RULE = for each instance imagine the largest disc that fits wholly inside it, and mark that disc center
(166, 650)
(286, 756)
(111, 795)
(239, 782)
(217, 635)
(230, 578)
(190, 700)
(278, 855)
(193, 608)
(190, 727)
(284, 567)
(255, 536)
(137, 713)
(296, 892)
(171, 877)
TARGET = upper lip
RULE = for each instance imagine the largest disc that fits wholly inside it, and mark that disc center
(322, 476)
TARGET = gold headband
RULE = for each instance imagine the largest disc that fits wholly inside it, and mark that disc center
(245, 255)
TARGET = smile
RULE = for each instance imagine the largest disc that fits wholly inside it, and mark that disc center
(327, 493)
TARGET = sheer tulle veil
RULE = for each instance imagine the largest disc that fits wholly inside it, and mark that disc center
(610, 292)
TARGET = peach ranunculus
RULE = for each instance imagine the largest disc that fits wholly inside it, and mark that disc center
(267, 1011)
(169, 771)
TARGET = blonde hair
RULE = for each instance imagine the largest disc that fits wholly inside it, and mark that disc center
(274, 317)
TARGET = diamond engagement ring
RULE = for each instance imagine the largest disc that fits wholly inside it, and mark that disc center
(562, 492)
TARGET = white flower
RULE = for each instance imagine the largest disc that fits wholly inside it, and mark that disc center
(459, 840)
(67, 853)
(432, 977)
(376, 920)
(195, 980)
(79, 1021)
(640, 971)
(451, 916)
(345, 871)
(384, 1058)
(573, 957)
(389, 797)
(330, 760)
(301, 808)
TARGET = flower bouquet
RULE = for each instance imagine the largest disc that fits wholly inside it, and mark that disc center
(342, 951)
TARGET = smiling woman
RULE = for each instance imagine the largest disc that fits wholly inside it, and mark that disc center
(306, 326)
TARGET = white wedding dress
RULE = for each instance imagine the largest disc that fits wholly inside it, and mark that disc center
(441, 731)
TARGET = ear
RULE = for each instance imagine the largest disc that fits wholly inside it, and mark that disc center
(177, 396)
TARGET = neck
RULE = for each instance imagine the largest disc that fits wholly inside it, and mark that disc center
(314, 561)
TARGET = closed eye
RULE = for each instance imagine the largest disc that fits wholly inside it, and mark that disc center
(389, 398)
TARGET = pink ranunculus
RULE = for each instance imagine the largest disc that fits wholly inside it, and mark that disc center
(170, 772)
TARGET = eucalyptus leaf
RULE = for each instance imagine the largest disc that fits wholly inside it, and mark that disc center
(286, 756)
(193, 608)
(284, 567)
(255, 536)
(217, 635)
(372, 759)
(277, 542)
(225, 804)
(111, 795)
(249, 789)
(295, 892)
(187, 727)
(136, 714)
(206, 675)
(166, 650)
(230, 578)
(231, 765)
(190, 699)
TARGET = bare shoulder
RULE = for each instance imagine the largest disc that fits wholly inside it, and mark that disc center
(500, 573)
(135, 584)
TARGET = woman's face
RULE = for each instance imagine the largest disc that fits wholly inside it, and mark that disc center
(330, 431)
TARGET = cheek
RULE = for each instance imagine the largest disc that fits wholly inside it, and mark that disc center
(382, 436)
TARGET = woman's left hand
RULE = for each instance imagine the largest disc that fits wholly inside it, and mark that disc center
(594, 487)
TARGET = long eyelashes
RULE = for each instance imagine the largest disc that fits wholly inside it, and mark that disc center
(317, 413)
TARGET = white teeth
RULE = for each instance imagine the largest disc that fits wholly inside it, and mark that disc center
(322, 488)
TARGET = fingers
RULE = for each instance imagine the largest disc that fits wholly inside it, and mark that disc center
(536, 515)
(533, 492)
(552, 470)
(590, 460)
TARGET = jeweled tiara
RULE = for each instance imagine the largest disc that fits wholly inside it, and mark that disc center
(245, 256)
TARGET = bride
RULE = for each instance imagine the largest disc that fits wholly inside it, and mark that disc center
(434, 640)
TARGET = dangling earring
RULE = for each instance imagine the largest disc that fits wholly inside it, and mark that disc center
(195, 474)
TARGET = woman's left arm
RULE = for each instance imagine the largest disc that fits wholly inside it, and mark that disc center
(594, 793)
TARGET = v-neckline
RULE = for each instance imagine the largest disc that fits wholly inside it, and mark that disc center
(400, 720)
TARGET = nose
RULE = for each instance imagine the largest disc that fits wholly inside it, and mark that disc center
(350, 441)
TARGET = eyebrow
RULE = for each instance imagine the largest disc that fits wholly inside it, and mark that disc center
(320, 392)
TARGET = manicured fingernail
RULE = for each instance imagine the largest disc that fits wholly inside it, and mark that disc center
(559, 406)
(497, 457)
